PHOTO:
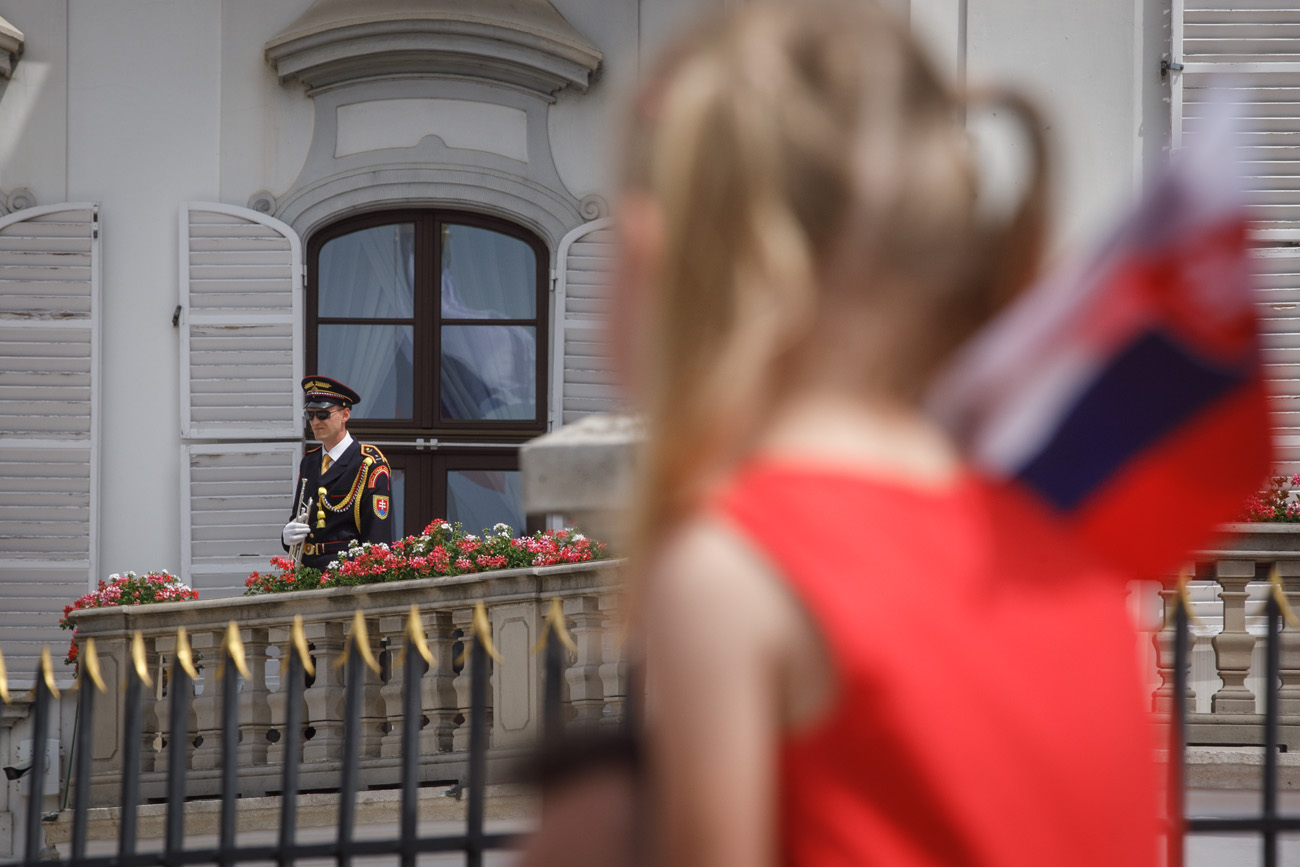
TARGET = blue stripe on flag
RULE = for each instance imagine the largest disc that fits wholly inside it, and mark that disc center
(1150, 388)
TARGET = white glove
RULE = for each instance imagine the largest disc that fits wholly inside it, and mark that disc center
(294, 532)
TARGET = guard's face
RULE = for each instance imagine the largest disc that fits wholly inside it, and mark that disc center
(330, 429)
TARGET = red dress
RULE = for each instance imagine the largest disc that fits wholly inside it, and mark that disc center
(988, 707)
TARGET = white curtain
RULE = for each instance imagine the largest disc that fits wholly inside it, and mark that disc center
(370, 274)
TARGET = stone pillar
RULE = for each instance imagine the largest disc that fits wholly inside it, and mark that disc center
(207, 704)
(324, 698)
(393, 628)
(517, 678)
(254, 709)
(613, 670)
(438, 690)
(1289, 694)
(462, 621)
(586, 688)
(1234, 646)
(161, 737)
(373, 714)
(1162, 700)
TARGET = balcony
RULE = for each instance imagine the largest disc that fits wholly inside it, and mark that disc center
(516, 601)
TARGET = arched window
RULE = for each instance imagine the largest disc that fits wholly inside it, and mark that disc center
(438, 320)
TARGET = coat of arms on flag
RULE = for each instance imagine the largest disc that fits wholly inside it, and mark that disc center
(1107, 387)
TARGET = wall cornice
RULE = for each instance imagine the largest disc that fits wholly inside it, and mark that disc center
(523, 43)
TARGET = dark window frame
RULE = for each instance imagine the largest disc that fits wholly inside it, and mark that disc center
(427, 322)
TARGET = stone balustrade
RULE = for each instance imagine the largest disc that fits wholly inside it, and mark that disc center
(516, 601)
(1227, 592)
(1225, 690)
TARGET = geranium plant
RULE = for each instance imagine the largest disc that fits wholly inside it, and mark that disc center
(442, 549)
(1280, 502)
(127, 588)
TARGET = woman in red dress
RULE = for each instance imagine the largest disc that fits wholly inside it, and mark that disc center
(858, 651)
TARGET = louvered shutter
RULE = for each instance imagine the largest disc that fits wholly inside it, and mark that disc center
(1252, 49)
(49, 360)
(581, 377)
(241, 332)
(236, 498)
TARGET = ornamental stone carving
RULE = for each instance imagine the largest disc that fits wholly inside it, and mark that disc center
(524, 43)
(11, 48)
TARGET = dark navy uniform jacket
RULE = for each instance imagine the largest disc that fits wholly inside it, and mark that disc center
(357, 502)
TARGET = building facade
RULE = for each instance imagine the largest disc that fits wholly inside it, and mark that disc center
(203, 201)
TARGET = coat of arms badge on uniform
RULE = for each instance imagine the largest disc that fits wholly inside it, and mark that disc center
(381, 506)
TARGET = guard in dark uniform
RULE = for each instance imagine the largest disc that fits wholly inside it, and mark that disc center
(348, 482)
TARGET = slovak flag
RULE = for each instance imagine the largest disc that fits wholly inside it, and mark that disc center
(1127, 392)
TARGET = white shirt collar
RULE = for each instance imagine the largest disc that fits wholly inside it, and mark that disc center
(340, 447)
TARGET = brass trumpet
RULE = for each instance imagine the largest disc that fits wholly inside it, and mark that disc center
(304, 511)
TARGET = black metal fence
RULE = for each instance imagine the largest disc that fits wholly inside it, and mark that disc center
(1269, 822)
(414, 659)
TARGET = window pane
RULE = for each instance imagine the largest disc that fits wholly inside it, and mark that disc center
(376, 360)
(489, 372)
(487, 275)
(481, 498)
(368, 274)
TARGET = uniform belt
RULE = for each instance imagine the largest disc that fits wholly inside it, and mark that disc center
(312, 549)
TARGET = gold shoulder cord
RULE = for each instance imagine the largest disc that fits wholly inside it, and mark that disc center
(359, 485)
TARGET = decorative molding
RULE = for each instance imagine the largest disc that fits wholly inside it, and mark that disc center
(431, 174)
(11, 48)
(17, 200)
(593, 207)
(516, 198)
(262, 202)
(523, 43)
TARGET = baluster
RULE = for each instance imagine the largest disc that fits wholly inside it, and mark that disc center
(461, 619)
(165, 645)
(390, 694)
(325, 697)
(254, 708)
(586, 689)
(276, 701)
(373, 718)
(1162, 700)
(613, 671)
(153, 711)
(438, 689)
(1234, 646)
(207, 704)
(1289, 694)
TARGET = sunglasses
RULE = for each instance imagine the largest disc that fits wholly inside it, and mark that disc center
(318, 414)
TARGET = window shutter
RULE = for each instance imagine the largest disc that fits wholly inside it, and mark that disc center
(581, 376)
(49, 361)
(236, 498)
(241, 324)
(1250, 49)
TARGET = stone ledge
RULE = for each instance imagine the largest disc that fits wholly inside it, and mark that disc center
(378, 808)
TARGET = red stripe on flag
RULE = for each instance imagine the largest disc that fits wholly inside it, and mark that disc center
(1165, 504)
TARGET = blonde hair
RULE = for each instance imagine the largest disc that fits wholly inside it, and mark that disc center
(814, 176)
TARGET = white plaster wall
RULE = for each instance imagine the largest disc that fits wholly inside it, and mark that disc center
(143, 134)
(1093, 70)
(1078, 60)
(33, 105)
(265, 126)
(585, 128)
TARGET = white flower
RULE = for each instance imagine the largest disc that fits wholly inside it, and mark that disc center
(578, 537)
(470, 537)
